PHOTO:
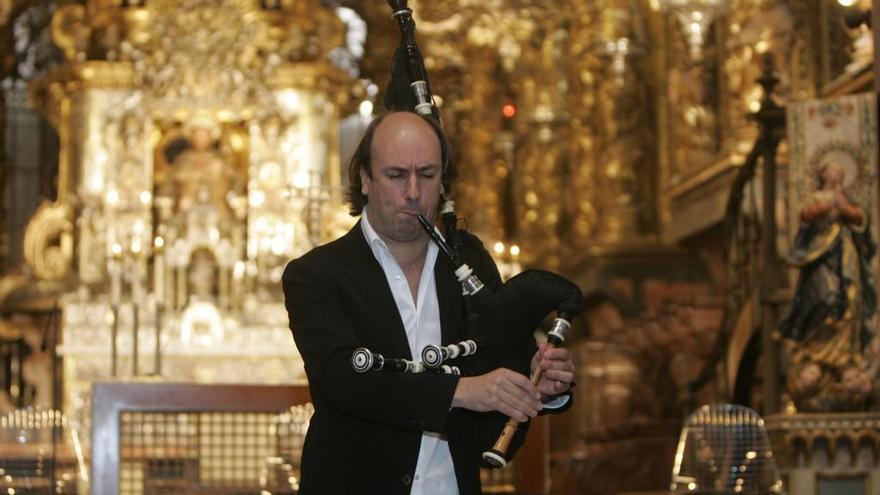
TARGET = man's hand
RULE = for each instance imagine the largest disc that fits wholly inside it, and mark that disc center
(558, 369)
(502, 390)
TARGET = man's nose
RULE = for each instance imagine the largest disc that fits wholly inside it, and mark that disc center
(413, 188)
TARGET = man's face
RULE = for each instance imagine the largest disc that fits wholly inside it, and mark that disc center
(406, 177)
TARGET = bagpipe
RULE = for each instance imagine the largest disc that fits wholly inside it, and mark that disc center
(510, 313)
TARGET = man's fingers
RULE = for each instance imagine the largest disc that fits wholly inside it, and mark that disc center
(557, 354)
(502, 390)
(518, 406)
(555, 381)
(518, 398)
(558, 375)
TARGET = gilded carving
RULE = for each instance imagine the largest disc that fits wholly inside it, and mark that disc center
(581, 190)
(71, 31)
(754, 29)
(477, 193)
(198, 154)
(624, 174)
(48, 241)
(693, 92)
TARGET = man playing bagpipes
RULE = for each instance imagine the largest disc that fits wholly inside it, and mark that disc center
(386, 287)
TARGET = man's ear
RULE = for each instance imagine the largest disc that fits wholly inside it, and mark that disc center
(364, 179)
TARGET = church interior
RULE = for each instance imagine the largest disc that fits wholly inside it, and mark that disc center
(705, 170)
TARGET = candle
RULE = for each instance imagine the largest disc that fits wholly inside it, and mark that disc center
(159, 276)
(157, 363)
(135, 328)
(115, 275)
(181, 286)
(224, 286)
(136, 282)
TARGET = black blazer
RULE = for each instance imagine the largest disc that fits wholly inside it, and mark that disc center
(365, 434)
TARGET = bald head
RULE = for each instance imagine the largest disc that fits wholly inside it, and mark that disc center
(401, 136)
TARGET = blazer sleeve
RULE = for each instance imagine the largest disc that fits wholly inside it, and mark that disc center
(324, 334)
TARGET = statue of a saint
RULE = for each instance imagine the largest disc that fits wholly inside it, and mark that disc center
(829, 324)
(199, 175)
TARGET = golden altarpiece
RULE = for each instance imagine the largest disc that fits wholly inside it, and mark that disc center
(198, 154)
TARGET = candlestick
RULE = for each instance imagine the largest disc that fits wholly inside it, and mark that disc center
(136, 281)
(159, 277)
(238, 273)
(114, 330)
(157, 360)
(135, 320)
(181, 286)
(224, 286)
(115, 275)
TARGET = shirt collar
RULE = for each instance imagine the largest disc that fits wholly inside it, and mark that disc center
(377, 245)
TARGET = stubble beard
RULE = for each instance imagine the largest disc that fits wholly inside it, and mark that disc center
(405, 228)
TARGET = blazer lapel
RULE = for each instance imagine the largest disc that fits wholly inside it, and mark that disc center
(369, 280)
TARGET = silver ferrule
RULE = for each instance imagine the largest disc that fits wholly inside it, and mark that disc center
(471, 285)
(560, 326)
(401, 12)
(424, 105)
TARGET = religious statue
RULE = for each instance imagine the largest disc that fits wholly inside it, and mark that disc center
(36, 369)
(199, 176)
(828, 328)
(202, 275)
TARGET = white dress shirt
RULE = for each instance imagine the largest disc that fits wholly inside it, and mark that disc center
(435, 473)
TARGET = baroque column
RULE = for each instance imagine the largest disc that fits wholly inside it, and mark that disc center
(542, 155)
(580, 192)
(481, 177)
(625, 154)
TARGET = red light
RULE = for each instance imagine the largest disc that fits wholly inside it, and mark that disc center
(508, 110)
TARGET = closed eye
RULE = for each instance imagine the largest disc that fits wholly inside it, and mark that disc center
(394, 174)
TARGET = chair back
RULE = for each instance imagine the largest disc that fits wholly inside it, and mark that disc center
(724, 449)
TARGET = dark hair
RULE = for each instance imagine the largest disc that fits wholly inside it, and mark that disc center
(360, 160)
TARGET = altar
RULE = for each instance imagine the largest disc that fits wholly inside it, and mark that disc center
(198, 154)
